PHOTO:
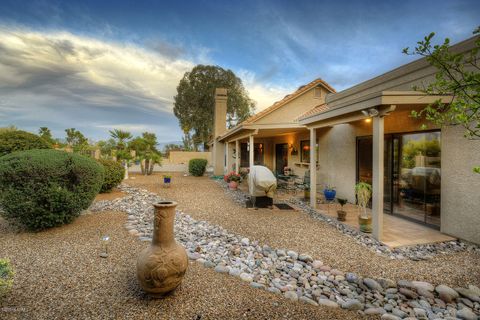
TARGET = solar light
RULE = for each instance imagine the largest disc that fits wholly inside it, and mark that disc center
(105, 241)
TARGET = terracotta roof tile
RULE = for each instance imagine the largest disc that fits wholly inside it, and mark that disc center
(314, 111)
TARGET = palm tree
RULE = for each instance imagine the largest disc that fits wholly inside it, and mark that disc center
(121, 137)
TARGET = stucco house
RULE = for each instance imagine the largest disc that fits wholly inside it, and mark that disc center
(366, 133)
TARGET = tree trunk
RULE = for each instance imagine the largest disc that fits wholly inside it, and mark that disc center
(152, 165)
(147, 166)
(142, 167)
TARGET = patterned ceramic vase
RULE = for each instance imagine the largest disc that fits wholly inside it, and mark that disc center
(162, 265)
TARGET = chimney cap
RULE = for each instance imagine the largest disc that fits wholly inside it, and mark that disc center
(221, 92)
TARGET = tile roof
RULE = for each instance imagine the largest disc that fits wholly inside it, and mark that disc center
(288, 98)
(313, 112)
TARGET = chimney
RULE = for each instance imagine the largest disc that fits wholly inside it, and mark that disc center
(220, 113)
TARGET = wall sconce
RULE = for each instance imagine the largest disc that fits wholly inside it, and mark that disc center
(105, 240)
(293, 150)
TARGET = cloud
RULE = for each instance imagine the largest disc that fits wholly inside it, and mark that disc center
(67, 80)
(264, 94)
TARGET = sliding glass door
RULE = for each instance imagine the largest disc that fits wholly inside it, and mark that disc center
(412, 174)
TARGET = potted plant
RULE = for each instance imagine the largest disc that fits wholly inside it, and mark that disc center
(329, 192)
(233, 179)
(167, 178)
(341, 214)
(363, 191)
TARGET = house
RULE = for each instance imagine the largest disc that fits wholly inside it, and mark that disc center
(278, 138)
(366, 133)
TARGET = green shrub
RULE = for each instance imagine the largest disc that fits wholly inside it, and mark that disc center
(47, 188)
(18, 140)
(196, 167)
(6, 277)
(114, 174)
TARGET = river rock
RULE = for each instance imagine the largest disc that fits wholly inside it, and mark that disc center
(466, 314)
(352, 304)
(446, 293)
(327, 303)
(291, 295)
(372, 284)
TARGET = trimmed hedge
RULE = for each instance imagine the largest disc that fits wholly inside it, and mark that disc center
(46, 188)
(114, 174)
(11, 141)
(197, 167)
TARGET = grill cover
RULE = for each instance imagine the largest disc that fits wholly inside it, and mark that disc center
(261, 182)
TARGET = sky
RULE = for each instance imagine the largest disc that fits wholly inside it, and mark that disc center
(99, 65)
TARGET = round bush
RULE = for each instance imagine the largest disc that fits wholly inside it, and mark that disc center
(114, 173)
(46, 188)
(196, 167)
(18, 140)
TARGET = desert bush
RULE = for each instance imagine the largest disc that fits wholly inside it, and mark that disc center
(114, 173)
(46, 188)
(18, 140)
(196, 167)
(6, 277)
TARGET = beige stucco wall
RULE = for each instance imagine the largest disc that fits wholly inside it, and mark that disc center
(293, 109)
(460, 213)
(183, 157)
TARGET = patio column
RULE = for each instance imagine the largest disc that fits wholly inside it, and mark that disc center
(251, 149)
(227, 157)
(237, 156)
(377, 177)
(313, 167)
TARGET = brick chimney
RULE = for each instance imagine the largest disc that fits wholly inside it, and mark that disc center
(219, 128)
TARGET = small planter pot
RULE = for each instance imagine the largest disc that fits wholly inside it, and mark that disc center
(365, 224)
(341, 215)
(306, 194)
(329, 194)
(167, 179)
(233, 185)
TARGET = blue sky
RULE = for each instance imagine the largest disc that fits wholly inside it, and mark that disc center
(97, 65)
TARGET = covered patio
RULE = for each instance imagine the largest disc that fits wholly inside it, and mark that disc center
(351, 118)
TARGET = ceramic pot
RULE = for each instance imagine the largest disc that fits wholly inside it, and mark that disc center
(365, 224)
(162, 265)
(233, 185)
(341, 215)
(329, 194)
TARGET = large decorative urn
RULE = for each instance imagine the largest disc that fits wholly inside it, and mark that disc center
(162, 265)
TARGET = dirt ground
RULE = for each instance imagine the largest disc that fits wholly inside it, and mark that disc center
(59, 275)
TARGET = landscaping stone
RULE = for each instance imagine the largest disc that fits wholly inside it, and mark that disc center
(352, 304)
(466, 314)
(291, 295)
(327, 303)
(372, 284)
(446, 293)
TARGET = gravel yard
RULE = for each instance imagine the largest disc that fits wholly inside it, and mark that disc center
(204, 199)
(59, 275)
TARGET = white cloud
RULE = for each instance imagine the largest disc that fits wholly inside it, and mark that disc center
(263, 94)
(67, 80)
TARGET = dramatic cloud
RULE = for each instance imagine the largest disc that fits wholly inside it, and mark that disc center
(65, 80)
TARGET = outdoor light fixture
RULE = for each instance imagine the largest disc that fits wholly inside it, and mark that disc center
(105, 241)
(372, 112)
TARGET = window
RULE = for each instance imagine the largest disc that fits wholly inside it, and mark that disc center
(317, 92)
(305, 151)
(258, 154)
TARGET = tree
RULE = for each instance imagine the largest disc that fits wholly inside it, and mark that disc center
(146, 150)
(46, 135)
(121, 139)
(76, 140)
(8, 129)
(195, 100)
(171, 147)
(457, 75)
